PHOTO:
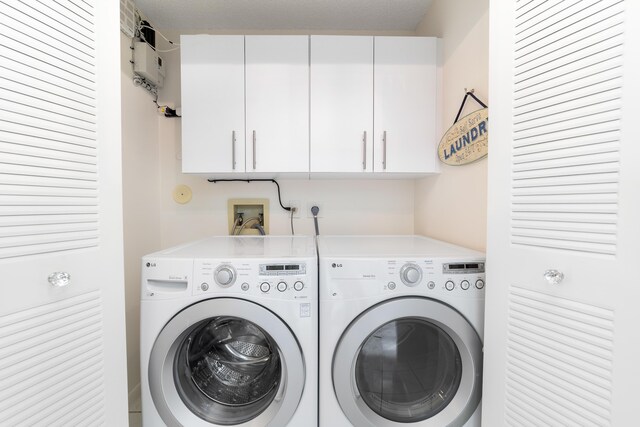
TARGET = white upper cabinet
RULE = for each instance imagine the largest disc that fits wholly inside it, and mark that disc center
(213, 104)
(277, 103)
(405, 101)
(341, 104)
(329, 105)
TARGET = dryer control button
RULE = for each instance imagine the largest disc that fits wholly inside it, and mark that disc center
(298, 286)
(244, 287)
(282, 286)
(204, 287)
(391, 285)
(265, 287)
(431, 285)
(465, 284)
(449, 285)
(479, 283)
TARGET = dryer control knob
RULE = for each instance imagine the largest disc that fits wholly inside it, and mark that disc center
(449, 285)
(225, 275)
(282, 286)
(298, 286)
(265, 287)
(410, 274)
(465, 284)
(479, 283)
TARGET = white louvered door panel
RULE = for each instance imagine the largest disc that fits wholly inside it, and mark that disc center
(564, 179)
(61, 349)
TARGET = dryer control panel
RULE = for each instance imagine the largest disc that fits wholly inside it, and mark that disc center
(347, 278)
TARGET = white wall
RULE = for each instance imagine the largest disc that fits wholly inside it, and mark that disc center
(452, 206)
(141, 198)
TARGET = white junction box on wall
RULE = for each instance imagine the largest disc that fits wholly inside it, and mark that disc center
(148, 64)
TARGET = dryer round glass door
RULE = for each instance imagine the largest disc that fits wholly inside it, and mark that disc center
(408, 361)
(226, 362)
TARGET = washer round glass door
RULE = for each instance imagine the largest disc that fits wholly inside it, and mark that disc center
(408, 361)
(226, 362)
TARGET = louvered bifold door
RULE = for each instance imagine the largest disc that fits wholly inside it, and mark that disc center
(61, 308)
(560, 344)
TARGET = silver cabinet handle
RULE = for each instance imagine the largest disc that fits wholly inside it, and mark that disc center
(364, 151)
(384, 150)
(254, 149)
(233, 150)
(60, 279)
(554, 277)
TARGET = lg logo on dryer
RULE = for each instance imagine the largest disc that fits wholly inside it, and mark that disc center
(334, 265)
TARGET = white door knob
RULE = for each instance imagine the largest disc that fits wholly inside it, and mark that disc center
(554, 277)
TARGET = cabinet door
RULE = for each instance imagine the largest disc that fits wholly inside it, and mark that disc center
(277, 103)
(405, 104)
(341, 103)
(563, 197)
(212, 104)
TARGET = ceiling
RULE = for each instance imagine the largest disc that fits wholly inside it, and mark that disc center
(329, 15)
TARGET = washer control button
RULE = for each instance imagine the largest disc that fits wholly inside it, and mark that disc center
(410, 274)
(391, 285)
(431, 285)
(265, 287)
(282, 286)
(204, 287)
(479, 283)
(225, 275)
(244, 286)
(465, 284)
(298, 286)
(449, 285)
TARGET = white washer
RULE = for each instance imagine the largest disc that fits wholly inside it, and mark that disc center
(229, 333)
(401, 320)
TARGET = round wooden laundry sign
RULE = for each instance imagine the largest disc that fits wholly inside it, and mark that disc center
(467, 140)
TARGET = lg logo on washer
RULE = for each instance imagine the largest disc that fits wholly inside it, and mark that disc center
(334, 265)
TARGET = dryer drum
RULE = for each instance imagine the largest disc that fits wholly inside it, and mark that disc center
(232, 361)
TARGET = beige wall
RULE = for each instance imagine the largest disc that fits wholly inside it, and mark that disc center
(452, 206)
(141, 199)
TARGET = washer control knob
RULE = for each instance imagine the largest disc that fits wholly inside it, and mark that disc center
(204, 287)
(265, 287)
(431, 285)
(479, 283)
(225, 275)
(282, 286)
(298, 286)
(449, 285)
(465, 284)
(244, 287)
(410, 274)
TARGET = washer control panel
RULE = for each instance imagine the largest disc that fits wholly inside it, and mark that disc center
(282, 280)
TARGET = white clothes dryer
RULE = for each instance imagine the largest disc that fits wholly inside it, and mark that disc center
(229, 333)
(401, 321)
